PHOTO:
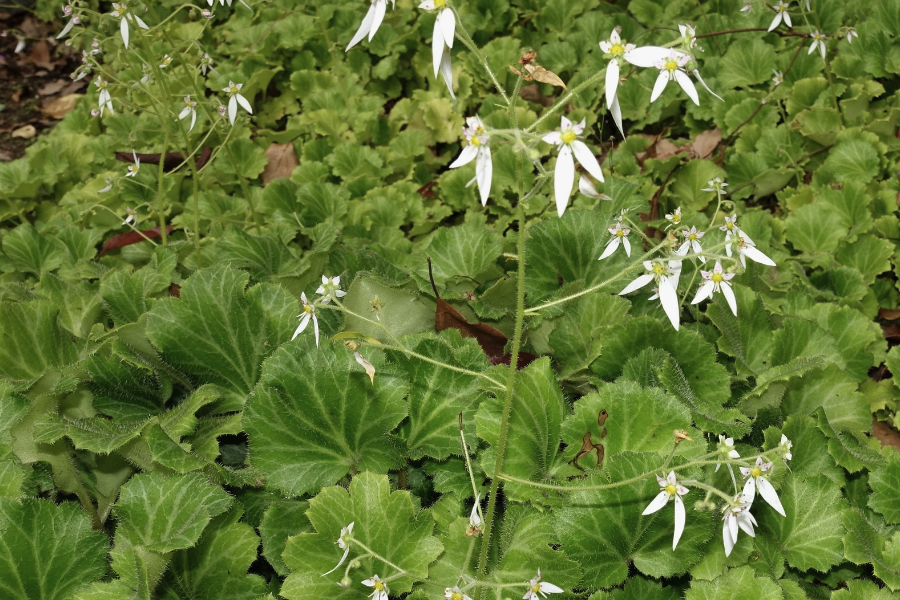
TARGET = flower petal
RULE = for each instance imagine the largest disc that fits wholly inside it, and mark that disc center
(757, 256)
(304, 322)
(610, 247)
(244, 103)
(379, 6)
(316, 328)
(232, 109)
(727, 539)
(140, 23)
(668, 297)
(627, 245)
(729, 296)
(776, 21)
(465, 157)
(612, 81)
(447, 72)
(448, 26)
(646, 56)
(680, 518)
(704, 292)
(769, 494)
(364, 28)
(563, 178)
(123, 27)
(687, 85)
(637, 284)
(552, 138)
(703, 83)
(616, 112)
(550, 588)
(587, 159)
(484, 170)
(437, 48)
(660, 85)
(658, 502)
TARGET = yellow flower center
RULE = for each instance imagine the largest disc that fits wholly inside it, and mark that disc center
(755, 472)
(729, 225)
(717, 278)
(692, 237)
(536, 588)
(671, 489)
(676, 218)
(569, 137)
(308, 308)
(378, 586)
(475, 141)
(671, 64)
(658, 269)
(620, 233)
(456, 596)
(617, 50)
(233, 90)
(440, 3)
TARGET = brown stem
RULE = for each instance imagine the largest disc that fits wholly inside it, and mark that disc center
(747, 29)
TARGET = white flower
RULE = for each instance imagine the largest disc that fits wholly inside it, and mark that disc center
(121, 11)
(736, 516)
(108, 187)
(564, 174)
(586, 187)
(477, 149)
(716, 281)
(455, 593)
(715, 185)
(758, 481)
(674, 218)
(442, 39)
(748, 6)
(105, 99)
(672, 67)
(134, 168)
(130, 215)
(614, 49)
(731, 229)
(380, 588)
(189, 110)
(780, 14)
(726, 448)
(785, 447)
(75, 20)
(536, 586)
(343, 543)
(474, 517)
(691, 242)
(20, 44)
(747, 249)
(818, 42)
(206, 63)
(669, 489)
(166, 61)
(330, 289)
(688, 36)
(851, 33)
(234, 91)
(619, 238)
(666, 278)
(778, 79)
(371, 22)
(309, 313)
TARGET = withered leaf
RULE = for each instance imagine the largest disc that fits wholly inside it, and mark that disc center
(706, 142)
(282, 160)
(132, 237)
(539, 73)
(172, 160)
(61, 106)
(492, 340)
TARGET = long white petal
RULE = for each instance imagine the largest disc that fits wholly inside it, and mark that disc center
(123, 27)
(812, 47)
(304, 322)
(66, 29)
(243, 102)
(704, 292)
(749, 491)
(563, 178)
(706, 87)
(447, 71)
(140, 23)
(729, 296)
(668, 297)
(587, 159)
(316, 328)
(612, 81)
(610, 247)
(755, 255)
(627, 245)
(746, 521)
(364, 28)
(437, 48)
(769, 494)
(658, 503)
(687, 85)
(193, 120)
(184, 112)
(549, 587)
(616, 111)
(660, 85)
(680, 518)
(465, 157)
(727, 539)
(646, 56)
(637, 284)
(448, 26)
(484, 171)
(379, 7)
(232, 109)
(776, 21)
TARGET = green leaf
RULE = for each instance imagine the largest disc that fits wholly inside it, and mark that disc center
(578, 338)
(282, 520)
(127, 295)
(835, 392)
(741, 583)
(853, 159)
(315, 417)
(169, 452)
(245, 158)
(864, 543)
(31, 252)
(869, 255)
(528, 541)
(687, 186)
(463, 252)
(220, 333)
(401, 313)
(384, 521)
(32, 342)
(164, 514)
(47, 551)
(885, 483)
(814, 228)
(264, 256)
(747, 62)
(860, 589)
(124, 391)
(811, 445)
(747, 338)
(848, 448)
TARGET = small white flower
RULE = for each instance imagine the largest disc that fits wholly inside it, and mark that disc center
(105, 99)
(780, 15)
(737, 515)
(666, 277)
(731, 230)
(134, 168)
(758, 481)
(726, 448)
(308, 314)
(670, 489)
(166, 61)
(619, 238)
(108, 187)
(674, 218)
(778, 79)
(692, 242)
(343, 543)
(206, 63)
(189, 110)
(455, 593)
(130, 215)
(121, 12)
(95, 112)
(818, 42)
(586, 187)
(716, 281)
(442, 39)
(672, 67)
(746, 249)
(474, 517)
(479, 151)
(785, 447)
(564, 174)
(330, 289)
(688, 36)
(222, 111)
(20, 45)
(715, 185)
(75, 20)
(748, 6)
(380, 588)
(234, 92)
(851, 33)
(371, 22)
(536, 586)
(207, 14)
(614, 49)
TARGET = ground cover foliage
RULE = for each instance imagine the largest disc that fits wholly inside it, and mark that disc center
(166, 432)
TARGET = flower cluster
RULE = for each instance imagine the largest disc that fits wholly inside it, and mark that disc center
(328, 291)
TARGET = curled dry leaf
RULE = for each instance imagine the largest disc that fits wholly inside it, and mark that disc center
(61, 106)
(370, 369)
(282, 161)
(172, 161)
(25, 132)
(706, 143)
(535, 72)
(132, 237)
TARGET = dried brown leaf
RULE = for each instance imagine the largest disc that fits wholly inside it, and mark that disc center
(54, 87)
(539, 73)
(706, 143)
(886, 435)
(61, 106)
(25, 132)
(282, 161)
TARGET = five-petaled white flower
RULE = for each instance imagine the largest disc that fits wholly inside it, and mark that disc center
(105, 99)
(851, 33)
(692, 242)
(75, 20)
(670, 489)
(121, 11)
(586, 187)
(716, 281)
(343, 543)
(371, 22)
(308, 314)
(666, 277)
(189, 110)
(130, 216)
(747, 249)
(380, 588)
(785, 447)
(330, 289)
(715, 185)
(619, 238)
(536, 586)
(234, 91)
(737, 515)
(614, 49)
(564, 174)
(778, 78)
(474, 517)
(442, 39)
(726, 448)
(479, 151)
(134, 168)
(674, 218)
(731, 230)
(780, 15)
(166, 61)
(818, 42)
(758, 481)
(455, 593)
(672, 67)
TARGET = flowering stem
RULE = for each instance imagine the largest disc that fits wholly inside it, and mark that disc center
(160, 193)
(467, 41)
(709, 489)
(565, 99)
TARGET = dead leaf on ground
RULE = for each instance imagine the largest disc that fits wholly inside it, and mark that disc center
(706, 143)
(884, 434)
(173, 160)
(40, 55)
(888, 314)
(61, 106)
(492, 340)
(54, 87)
(891, 332)
(26, 132)
(282, 161)
(132, 237)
